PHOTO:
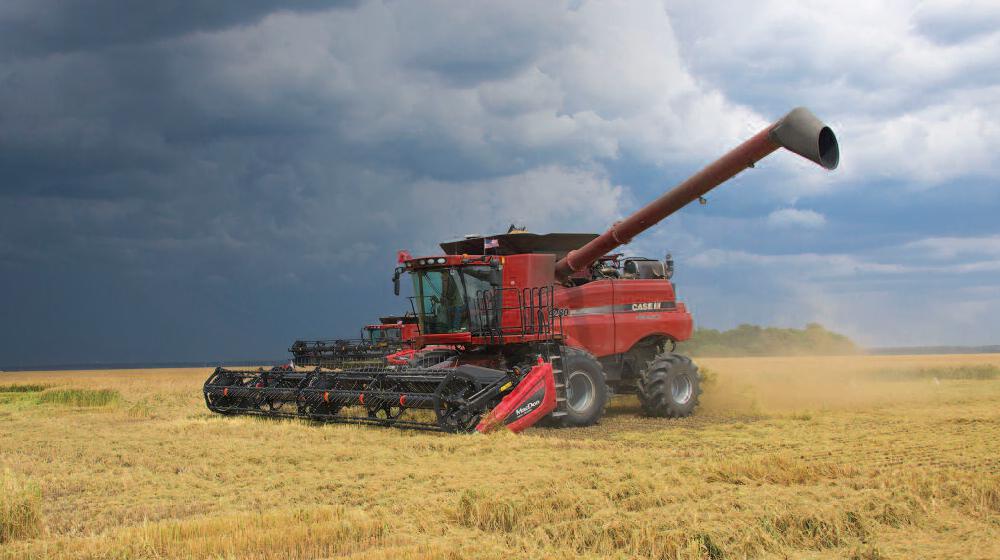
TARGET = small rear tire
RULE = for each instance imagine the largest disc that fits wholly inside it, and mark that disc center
(670, 386)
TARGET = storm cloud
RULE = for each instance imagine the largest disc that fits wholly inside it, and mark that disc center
(210, 180)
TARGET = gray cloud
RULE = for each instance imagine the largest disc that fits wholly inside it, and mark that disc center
(213, 179)
(910, 107)
(45, 27)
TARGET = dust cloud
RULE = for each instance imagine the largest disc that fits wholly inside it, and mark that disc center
(790, 385)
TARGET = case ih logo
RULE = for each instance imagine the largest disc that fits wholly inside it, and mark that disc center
(642, 307)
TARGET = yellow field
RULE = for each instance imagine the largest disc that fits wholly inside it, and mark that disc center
(787, 457)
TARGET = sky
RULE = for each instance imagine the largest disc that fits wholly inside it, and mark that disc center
(212, 179)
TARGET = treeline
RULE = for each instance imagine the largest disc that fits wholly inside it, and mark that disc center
(752, 340)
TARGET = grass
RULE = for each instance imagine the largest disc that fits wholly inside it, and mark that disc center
(23, 388)
(81, 397)
(20, 508)
(323, 531)
(788, 457)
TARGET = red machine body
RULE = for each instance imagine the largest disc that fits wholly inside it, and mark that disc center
(607, 316)
(610, 315)
(498, 299)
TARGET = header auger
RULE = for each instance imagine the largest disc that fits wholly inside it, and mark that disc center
(517, 326)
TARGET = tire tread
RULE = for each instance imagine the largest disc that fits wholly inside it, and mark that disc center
(653, 386)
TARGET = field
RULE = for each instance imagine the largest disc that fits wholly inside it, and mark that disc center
(834, 457)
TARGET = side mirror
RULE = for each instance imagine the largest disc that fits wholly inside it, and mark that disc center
(395, 281)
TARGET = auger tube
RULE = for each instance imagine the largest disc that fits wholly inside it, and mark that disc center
(799, 132)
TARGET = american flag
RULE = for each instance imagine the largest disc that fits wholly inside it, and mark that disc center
(491, 244)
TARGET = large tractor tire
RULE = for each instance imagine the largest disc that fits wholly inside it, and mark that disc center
(670, 386)
(586, 389)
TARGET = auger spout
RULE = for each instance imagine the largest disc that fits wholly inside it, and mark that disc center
(799, 131)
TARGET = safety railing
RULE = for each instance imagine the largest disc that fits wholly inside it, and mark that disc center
(516, 315)
(499, 314)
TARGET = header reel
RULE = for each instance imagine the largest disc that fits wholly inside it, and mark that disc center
(448, 400)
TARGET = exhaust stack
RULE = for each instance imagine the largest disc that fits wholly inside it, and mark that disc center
(799, 131)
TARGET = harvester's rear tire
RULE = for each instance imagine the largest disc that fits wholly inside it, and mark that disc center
(586, 389)
(670, 386)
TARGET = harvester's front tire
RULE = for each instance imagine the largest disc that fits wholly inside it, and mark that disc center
(586, 389)
(670, 386)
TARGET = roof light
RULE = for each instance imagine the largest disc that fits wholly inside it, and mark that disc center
(441, 260)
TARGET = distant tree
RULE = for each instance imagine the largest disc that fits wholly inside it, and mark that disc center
(754, 340)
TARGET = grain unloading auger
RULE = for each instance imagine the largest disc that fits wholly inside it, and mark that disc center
(528, 326)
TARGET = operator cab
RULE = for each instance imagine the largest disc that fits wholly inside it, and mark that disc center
(450, 294)
(376, 334)
(446, 299)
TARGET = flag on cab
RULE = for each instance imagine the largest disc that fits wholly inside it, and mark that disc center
(491, 244)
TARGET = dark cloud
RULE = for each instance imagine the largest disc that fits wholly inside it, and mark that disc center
(198, 180)
(162, 204)
(477, 43)
(43, 27)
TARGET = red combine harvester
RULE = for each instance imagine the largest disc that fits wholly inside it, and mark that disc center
(517, 327)
(393, 334)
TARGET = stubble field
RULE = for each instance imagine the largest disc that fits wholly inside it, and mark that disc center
(831, 457)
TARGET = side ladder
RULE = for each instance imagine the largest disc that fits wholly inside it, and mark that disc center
(560, 379)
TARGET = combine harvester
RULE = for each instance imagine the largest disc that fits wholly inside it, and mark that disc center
(390, 336)
(533, 326)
